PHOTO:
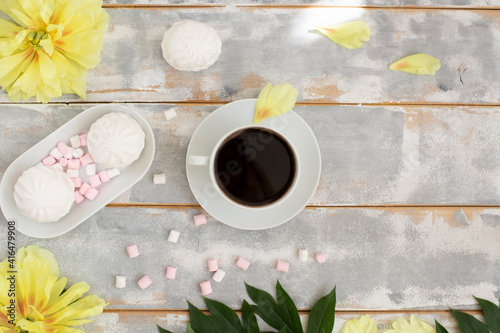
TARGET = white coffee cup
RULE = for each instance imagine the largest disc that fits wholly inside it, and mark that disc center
(208, 161)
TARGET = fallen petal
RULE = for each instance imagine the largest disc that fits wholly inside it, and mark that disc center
(417, 64)
(351, 35)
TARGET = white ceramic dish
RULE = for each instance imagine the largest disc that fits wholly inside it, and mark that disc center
(241, 113)
(107, 192)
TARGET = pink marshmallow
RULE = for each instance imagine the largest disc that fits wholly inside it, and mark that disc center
(320, 257)
(86, 159)
(91, 194)
(74, 163)
(77, 181)
(62, 147)
(49, 160)
(212, 265)
(103, 176)
(63, 161)
(171, 271)
(79, 197)
(83, 139)
(144, 282)
(200, 219)
(95, 180)
(206, 288)
(85, 188)
(282, 266)
(242, 263)
(132, 251)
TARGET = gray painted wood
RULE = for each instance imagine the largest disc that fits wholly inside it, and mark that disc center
(379, 258)
(371, 155)
(274, 45)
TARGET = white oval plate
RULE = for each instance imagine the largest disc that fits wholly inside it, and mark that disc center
(107, 192)
(241, 113)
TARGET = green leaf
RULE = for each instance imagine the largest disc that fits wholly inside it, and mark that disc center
(469, 324)
(249, 320)
(491, 314)
(322, 316)
(201, 323)
(266, 307)
(224, 316)
(189, 329)
(162, 330)
(440, 328)
(283, 330)
(288, 310)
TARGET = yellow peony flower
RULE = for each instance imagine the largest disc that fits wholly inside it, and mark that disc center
(364, 324)
(415, 325)
(41, 302)
(47, 53)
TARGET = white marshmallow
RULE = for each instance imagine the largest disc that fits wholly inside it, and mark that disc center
(69, 153)
(219, 275)
(56, 153)
(73, 173)
(75, 141)
(173, 236)
(113, 172)
(159, 178)
(303, 255)
(121, 282)
(78, 152)
(170, 114)
(90, 169)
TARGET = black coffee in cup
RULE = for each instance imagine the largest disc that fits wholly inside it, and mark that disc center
(255, 167)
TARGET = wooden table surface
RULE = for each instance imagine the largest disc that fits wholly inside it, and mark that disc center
(408, 206)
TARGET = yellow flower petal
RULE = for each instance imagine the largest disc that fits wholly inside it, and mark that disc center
(69, 296)
(364, 324)
(274, 101)
(350, 35)
(415, 325)
(417, 64)
(32, 327)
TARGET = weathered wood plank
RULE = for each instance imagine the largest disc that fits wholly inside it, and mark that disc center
(371, 155)
(262, 45)
(379, 258)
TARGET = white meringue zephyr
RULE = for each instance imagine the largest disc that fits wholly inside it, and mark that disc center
(115, 140)
(191, 46)
(44, 193)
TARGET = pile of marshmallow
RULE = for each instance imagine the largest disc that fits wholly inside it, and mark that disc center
(71, 159)
(212, 264)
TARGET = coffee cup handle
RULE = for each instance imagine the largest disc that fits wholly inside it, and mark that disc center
(198, 160)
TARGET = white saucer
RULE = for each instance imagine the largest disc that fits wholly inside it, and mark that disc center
(241, 113)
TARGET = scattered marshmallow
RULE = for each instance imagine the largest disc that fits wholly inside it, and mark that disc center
(62, 147)
(95, 180)
(74, 164)
(49, 160)
(282, 266)
(73, 173)
(206, 288)
(242, 263)
(103, 176)
(170, 114)
(91, 194)
(132, 251)
(69, 153)
(79, 197)
(320, 257)
(63, 161)
(200, 219)
(84, 188)
(56, 153)
(121, 282)
(77, 181)
(173, 236)
(303, 255)
(75, 141)
(159, 178)
(219, 275)
(171, 271)
(112, 173)
(78, 152)
(86, 159)
(212, 265)
(144, 282)
(90, 169)
(83, 139)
